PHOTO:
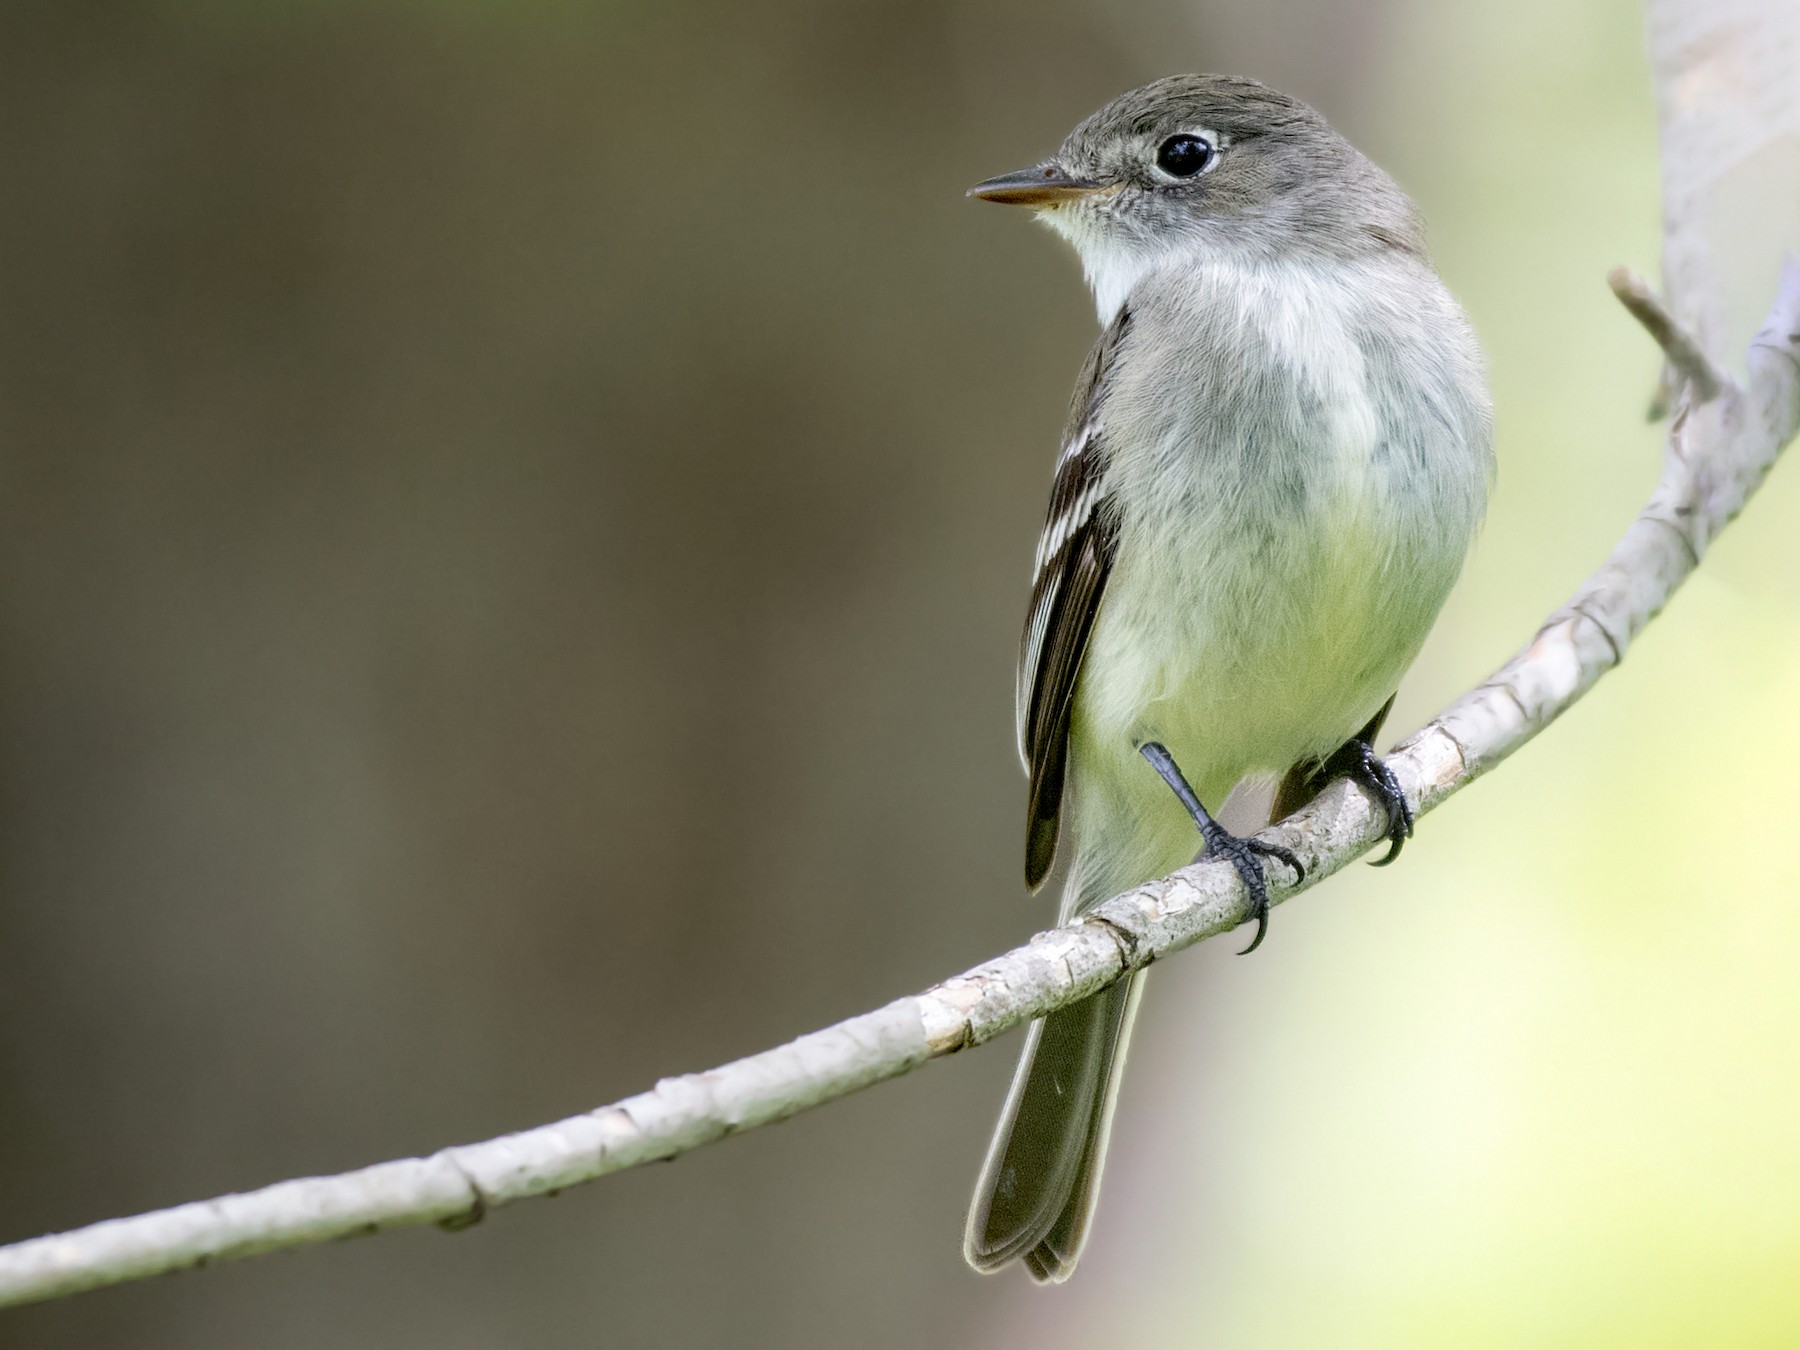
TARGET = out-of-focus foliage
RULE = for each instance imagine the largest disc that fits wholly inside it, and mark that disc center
(514, 520)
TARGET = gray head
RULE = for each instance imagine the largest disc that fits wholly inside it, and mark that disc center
(1210, 164)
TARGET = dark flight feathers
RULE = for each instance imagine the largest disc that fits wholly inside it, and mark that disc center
(1075, 554)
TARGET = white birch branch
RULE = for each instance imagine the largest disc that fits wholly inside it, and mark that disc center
(1723, 439)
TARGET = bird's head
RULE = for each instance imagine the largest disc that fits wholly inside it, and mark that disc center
(1209, 165)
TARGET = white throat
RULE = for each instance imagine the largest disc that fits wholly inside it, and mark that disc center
(1112, 269)
(1112, 274)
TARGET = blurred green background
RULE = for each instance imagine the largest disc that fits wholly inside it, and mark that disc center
(515, 525)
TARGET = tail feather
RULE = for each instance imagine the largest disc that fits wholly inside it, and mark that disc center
(1041, 1180)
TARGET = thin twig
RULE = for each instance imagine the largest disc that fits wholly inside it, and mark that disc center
(1684, 355)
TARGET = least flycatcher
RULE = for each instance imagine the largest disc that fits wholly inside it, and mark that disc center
(1278, 452)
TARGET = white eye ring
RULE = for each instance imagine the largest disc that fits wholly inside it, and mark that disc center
(1171, 159)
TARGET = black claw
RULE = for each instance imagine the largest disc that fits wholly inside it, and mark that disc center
(1280, 854)
(1368, 769)
(1243, 854)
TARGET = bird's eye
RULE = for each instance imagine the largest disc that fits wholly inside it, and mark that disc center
(1184, 156)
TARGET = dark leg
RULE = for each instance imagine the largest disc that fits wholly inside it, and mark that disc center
(1221, 843)
(1355, 759)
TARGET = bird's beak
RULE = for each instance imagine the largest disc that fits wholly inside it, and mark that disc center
(1046, 185)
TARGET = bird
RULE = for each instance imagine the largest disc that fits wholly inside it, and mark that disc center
(1278, 453)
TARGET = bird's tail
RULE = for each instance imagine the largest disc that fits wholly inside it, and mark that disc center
(1041, 1180)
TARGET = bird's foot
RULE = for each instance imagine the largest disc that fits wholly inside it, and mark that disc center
(1245, 855)
(1359, 762)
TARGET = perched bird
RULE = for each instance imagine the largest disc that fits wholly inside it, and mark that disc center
(1277, 455)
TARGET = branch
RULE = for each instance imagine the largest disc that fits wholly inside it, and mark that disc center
(1721, 443)
(1717, 453)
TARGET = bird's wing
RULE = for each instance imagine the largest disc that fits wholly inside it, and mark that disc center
(1074, 556)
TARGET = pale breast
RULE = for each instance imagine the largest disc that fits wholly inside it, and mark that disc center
(1298, 462)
